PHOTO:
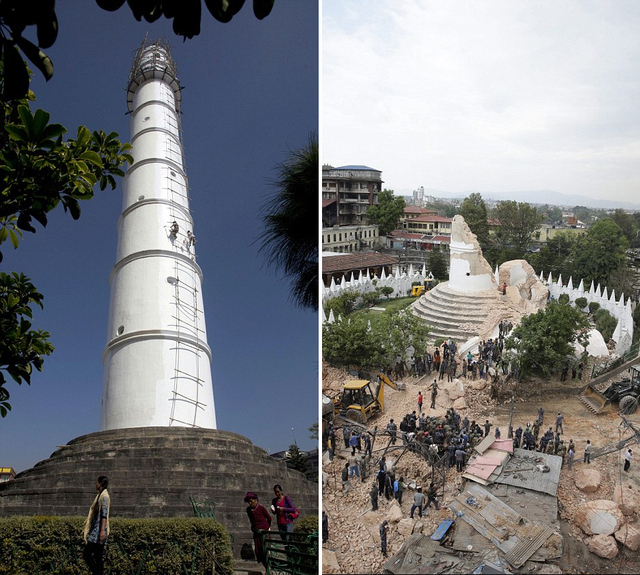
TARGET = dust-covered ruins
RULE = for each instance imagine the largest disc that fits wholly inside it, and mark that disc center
(525, 498)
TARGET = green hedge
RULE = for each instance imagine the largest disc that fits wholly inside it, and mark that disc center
(53, 545)
(307, 525)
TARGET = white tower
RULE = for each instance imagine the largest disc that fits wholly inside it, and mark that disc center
(157, 364)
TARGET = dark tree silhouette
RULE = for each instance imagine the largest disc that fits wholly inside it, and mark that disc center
(289, 240)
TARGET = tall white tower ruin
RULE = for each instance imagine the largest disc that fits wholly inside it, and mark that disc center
(157, 364)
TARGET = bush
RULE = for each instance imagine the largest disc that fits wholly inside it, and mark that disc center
(581, 302)
(605, 323)
(48, 545)
(564, 298)
(594, 306)
(307, 525)
(343, 304)
(439, 342)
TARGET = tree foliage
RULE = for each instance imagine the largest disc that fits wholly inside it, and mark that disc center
(599, 252)
(605, 323)
(438, 265)
(474, 212)
(40, 171)
(351, 342)
(555, 256)
(544, 340)
(297, 460)
(20, 16)
(388, 212)
(516, 223)
(22, 349)
(290, 224)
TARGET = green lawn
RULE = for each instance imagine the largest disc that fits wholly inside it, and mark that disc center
(388, 305)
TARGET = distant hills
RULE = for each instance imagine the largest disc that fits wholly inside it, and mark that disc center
(536, 197)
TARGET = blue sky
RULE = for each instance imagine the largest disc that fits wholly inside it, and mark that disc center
(250, 94)
(495, 95)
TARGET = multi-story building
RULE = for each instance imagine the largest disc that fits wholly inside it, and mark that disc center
(353, 189)
(421, 232)
(429, 224)
(349, 238)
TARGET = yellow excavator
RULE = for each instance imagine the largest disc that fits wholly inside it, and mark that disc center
(359, 401)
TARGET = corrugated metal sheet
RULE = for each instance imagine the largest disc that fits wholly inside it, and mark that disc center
(502, 525)
(522, 470)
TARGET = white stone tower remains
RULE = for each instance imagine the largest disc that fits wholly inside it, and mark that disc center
(157, 364)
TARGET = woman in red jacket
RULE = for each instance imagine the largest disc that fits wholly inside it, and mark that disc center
(260, 521)
(285, 512)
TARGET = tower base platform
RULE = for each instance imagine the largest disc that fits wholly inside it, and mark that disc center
(153, 472)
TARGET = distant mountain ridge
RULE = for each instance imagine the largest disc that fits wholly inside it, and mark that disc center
(536, 197)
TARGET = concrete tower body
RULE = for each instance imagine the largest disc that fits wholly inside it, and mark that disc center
(157, 364)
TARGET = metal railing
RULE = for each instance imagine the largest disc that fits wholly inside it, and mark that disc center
(296, 556)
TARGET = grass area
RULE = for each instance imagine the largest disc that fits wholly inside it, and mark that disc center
(389, 306)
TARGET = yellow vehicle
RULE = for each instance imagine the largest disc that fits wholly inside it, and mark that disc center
(418, 290)
(423, 287)
(359, 401)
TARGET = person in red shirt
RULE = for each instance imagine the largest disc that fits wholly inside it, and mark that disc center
(283, 508)
(260, 521)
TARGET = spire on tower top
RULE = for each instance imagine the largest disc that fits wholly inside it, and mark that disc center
(153, 61)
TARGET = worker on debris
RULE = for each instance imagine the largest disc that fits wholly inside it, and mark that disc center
(418, 502)
(627, 459)
(434, 394)
(459, 456)
(559, 420)
(345, 478)
(587, 452)
(431, 496)
(373, 494)
(392, 428)
(562, 450)
(384, 527)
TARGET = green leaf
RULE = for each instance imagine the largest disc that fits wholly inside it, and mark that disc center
(14, 239)
(37, 57)
(92, 157)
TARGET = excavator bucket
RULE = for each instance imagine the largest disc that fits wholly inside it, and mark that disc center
(594, 400)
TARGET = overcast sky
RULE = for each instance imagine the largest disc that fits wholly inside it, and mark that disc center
(250, 95)
(492, 95)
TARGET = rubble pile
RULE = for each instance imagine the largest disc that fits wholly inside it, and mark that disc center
(354, 541)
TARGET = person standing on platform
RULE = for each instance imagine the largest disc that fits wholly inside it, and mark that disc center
(260, 521)
(96, 528)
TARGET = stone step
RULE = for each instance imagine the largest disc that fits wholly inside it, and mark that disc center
(457, 315)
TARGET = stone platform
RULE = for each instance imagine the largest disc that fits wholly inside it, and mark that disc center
(453, 314)
(152, 473)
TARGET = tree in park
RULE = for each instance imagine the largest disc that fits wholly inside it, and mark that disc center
(348, 341)
(351, 342)
(388, 212)
(438, 265)
(474, 212)
(543, 341)
(555, 256)
(516, 223)
(599, 252)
